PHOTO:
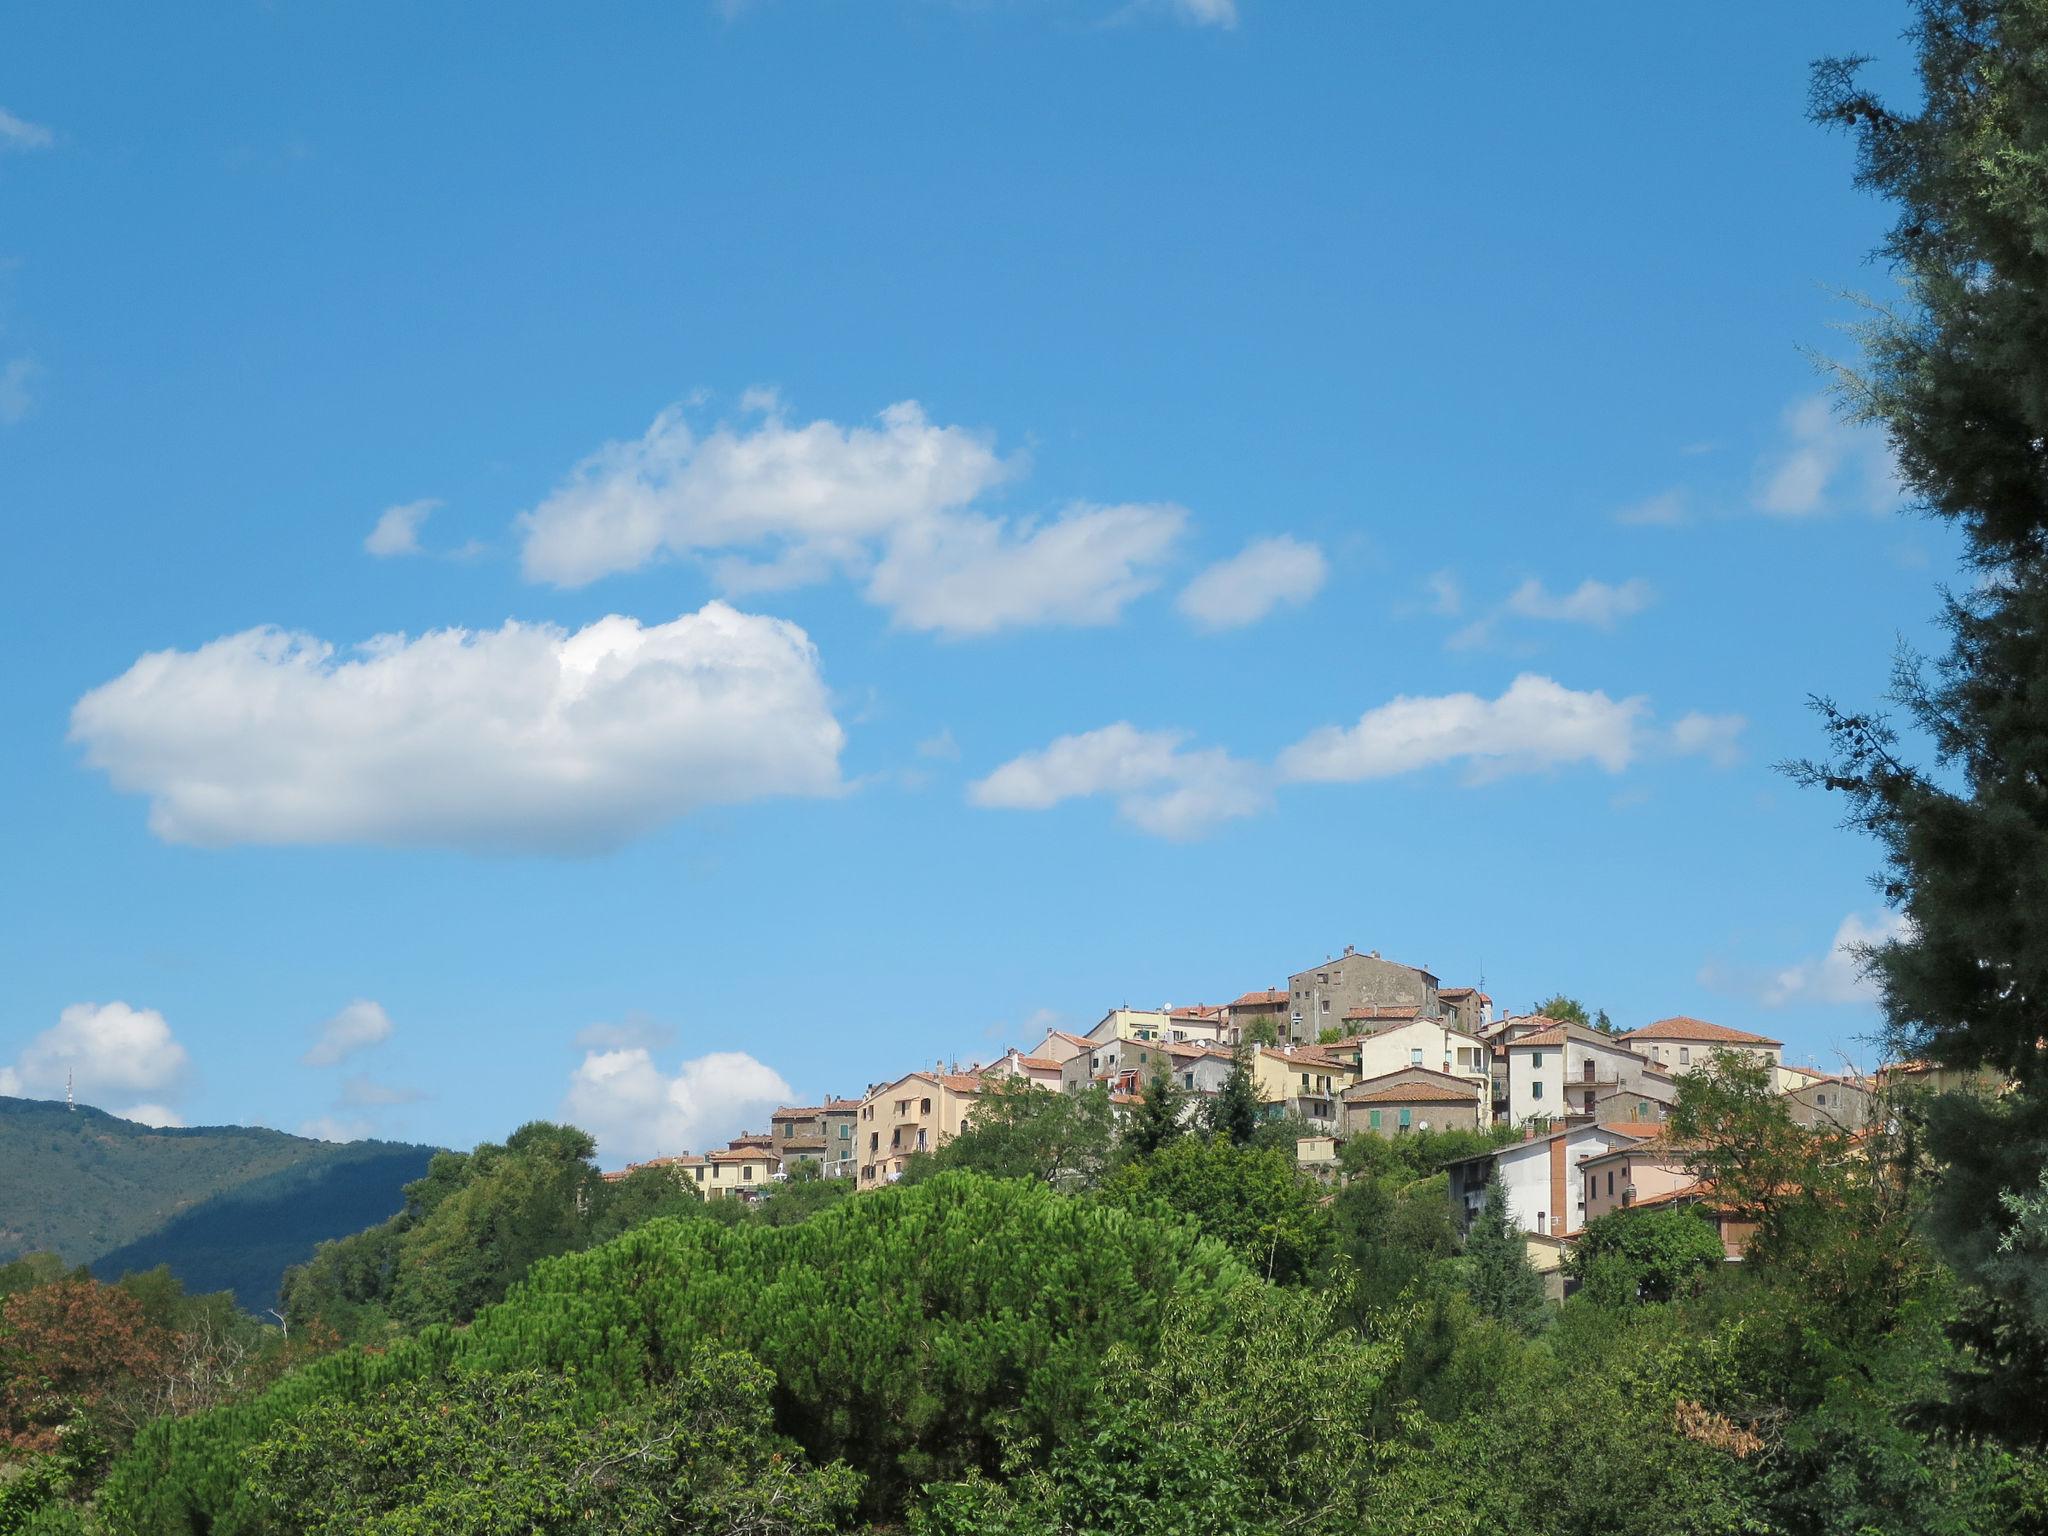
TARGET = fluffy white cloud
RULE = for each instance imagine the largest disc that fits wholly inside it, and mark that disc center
(635, 1110)
(521, 738)
(771, 505)
(1825, 464)
(19, 134)
(16, 400)
(161, 1116)
(333, 1128)
(1252, 583)
(970, 575)
(1837, 976)
(1717, 738)
(1158, 786)
(1597, 603)
(1536, 724)
(398, 528)
(108, 1049)
(358, 1026)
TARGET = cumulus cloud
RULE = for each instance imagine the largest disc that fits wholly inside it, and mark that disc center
(16, 399)
(109, 1050)
(524, 738)
(1597, 603)
(1535, 724)
(1824, 464)
(635, 1110)
(21, 135)
(770, 504)
(1838, 976)
(1158, 785)
(357, 1027)
(398, 528)
(1252, 583)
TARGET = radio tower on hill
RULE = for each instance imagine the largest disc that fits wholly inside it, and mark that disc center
(70, 1099)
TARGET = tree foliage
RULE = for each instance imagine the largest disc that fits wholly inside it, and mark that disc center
(1018, 1130)
(1503, 1284)
(1251, 1198)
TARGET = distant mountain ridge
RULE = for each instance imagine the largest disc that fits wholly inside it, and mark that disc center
(226, 1207)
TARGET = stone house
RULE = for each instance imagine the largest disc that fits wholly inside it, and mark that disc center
(1319, 997)
(1682, 1043)
(1411, 1099)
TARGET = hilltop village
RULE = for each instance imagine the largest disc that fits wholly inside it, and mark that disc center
(1356, 1046)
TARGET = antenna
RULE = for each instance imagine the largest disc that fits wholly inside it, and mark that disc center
(70, 1098)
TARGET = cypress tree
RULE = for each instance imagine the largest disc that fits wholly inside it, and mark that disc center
(1157, 1123)
(1498, 1274)
(1958, 379)
(1237, 1111)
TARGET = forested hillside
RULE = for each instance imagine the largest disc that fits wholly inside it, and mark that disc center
(226, 1207)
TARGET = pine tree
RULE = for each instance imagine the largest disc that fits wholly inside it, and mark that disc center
(1959, 381)
(1237, 1110)
(1156, 1125)
(1498, 1274)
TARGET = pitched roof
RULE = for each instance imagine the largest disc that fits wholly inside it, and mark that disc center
(740, 1155)
(1413, 1093)
(839, 1106)
(1305, 1055)
(1456, 991)
(1691, 1029)
(1258, 999)
(1553, 1036)
(801, 1112)
(1385, 1011)
(1467, 1087)
(1072, 1039)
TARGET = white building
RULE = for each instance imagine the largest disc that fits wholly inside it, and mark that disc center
(1543, 1177)
(1680, 1044)
(1561, 1071)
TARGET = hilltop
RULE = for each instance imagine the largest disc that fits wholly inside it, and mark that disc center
(226, 1207)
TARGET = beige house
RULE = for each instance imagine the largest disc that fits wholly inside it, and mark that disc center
(1630, 1175)
(1060, 1046)
(1682, 1043)
(1412, 1099)
(1302, 1080)
(1415, 1042)
(1106, 1060)
(917, 1113)
(731, 1171)
(1040, 1071)
(1159, 1024)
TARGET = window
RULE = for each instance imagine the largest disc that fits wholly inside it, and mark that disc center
(1415, 1057)
(787, 1128)
(1610, 1183)
(1642, 1110)
(1542, 1217)
(1323, 977)
(1535, 1090)
(874, 1141)
(1374, 1119)
(1304, 1082)
(925, 1107)
(1405, 1114)
(1536, 1061)
(1820, 1101)
(1326, 1005)
(1187, 1079)
(747, 1171)
(1685, 1055)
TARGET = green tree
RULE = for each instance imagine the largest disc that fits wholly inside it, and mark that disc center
(619, 1205)
(507, 1455)
(1958, 380)
(1570, 1010)
(1156, 1123)
(1628, 1256)
(1498, 1276)
(1237, 1110)
(803, 1195)
(1261, 1029)
(1018, 1130)
(1252, 1198)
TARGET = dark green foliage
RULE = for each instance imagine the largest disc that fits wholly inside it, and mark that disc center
(244, 1241)
(1017, 1130)
(1252, 1198)
(912, 1332)
(1626, 1257)
(95, 1189)
(29, 1271)
(1237, 1111)
(1156, 1122)
(1498, 1275)
(642, 1195)
(1958, 379)
(505, 1455)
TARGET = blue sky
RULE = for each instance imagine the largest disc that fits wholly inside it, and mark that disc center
(1066, 493)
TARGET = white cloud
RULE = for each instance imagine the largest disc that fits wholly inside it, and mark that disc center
(157, 1115)
(19, 134)
(1837, 976)
(107, 1049)
(974, 575)
(1446, 597)
(1536, 724)
(635, 1110)
(357, 1027)
(770, 505)
(1592, 602)
(1667, 509)
(1207, 13)
(1718, 738)
(942, 747)
(398, 528)
(1826, 464)
(523, 738)
(1158, 787)
(334, 1128)
(15, 399)
(1252, 583)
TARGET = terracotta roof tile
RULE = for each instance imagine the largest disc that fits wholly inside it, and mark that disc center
(1259, 1000)
(1690, 1029)
(1413, 1093)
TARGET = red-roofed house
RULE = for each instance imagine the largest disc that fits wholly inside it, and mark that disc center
(1413, 1099)
(1559, 1072)
(1039, 1071)
(917, 1113)
(1680, 1044)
